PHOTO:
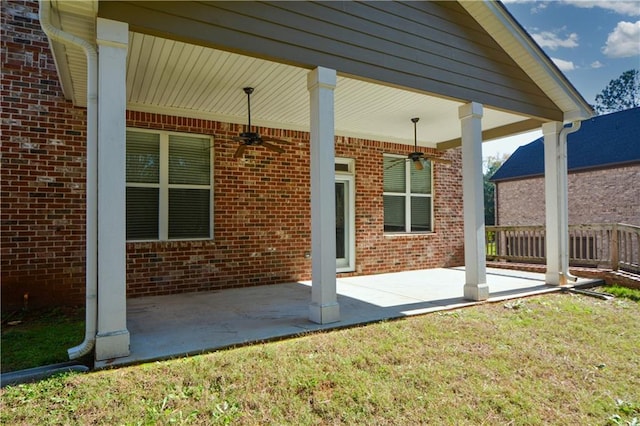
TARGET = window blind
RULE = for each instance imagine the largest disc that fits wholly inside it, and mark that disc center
(394, 213)
(394, 175)
(142, 213)
(189, 213)
(143, 157)
(421, 179)
(420, 214)
(189, 160)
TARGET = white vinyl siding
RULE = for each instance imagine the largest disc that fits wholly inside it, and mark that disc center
(407, 196)
(169, 186)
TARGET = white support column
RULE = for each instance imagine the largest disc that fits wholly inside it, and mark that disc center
(563, 202)
(553, 203)
(324, 303)
(112, 340)
(475, 262)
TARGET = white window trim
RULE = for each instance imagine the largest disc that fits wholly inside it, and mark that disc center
(349, 162)
(407, 199)
(164, 186)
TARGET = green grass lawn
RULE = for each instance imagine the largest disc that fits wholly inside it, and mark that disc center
(623, 292)
(552, 359)
(32, 338)
(491, 249)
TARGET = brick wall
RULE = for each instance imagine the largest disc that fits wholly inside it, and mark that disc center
(609, 195)
(42, 170)
(261, 208)
(262, 216)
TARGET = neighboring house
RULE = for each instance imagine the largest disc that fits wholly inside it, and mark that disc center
(603, 182)
(121, 176)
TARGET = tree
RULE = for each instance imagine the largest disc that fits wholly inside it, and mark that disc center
(620, 94)
(492, 164)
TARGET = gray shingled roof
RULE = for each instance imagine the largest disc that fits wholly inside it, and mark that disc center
(603, 141)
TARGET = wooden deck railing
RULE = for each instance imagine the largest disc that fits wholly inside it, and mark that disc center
(615, 246)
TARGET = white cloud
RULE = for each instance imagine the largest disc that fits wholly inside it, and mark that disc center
(564, 65)
(630, 8)
(623, 41)
(539, 7)
(596, 65)
(553, 41)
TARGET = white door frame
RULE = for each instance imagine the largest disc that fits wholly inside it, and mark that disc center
(345, 173)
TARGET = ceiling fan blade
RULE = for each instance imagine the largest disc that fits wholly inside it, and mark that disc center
(438, 160)
(240, 151)
(418, 164)
(270, 139)
(240, 138)
(272, 147)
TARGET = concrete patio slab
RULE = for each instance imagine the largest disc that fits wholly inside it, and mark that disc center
(164, 327)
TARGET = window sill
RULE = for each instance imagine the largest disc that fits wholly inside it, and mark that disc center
(407, 234)
(186, 240)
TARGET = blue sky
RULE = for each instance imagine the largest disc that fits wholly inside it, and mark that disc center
(592, 42)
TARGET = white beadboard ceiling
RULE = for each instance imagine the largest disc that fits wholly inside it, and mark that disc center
(172, 77)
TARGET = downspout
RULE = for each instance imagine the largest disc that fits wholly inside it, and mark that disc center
(496, 215)
(564, 203)
(91, 53)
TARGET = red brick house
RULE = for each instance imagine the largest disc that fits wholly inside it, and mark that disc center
(127, 169)
(603, 182)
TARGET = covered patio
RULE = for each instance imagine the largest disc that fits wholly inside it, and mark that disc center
(349, 75)
(165, 327)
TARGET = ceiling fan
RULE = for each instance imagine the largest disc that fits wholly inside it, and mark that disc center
(249, 138)
(416, 157)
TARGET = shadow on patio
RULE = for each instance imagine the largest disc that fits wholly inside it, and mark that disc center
(170, 326)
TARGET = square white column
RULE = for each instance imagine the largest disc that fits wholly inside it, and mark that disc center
(324, 307)
(553, 204)
(112, 339)
(475, 262)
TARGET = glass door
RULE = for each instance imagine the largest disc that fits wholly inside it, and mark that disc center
(345, 244)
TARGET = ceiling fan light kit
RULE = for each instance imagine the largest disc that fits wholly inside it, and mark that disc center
(249, 138)
(416, 156)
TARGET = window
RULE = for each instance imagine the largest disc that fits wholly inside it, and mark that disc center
(169, 190)
(407, 196)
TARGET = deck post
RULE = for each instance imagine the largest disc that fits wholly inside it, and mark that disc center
(475, 258)
(553, 204)
(614, 248)
(112, 339)
(324, 307)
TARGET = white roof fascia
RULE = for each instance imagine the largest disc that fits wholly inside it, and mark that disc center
(517, 43)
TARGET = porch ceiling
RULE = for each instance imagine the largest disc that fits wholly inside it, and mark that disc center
(182, 79)
(172, 77)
